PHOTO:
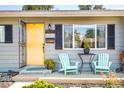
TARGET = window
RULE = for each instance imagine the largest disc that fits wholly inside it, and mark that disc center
(101, 36)
(68, 36)
(6, 34)
(84, 31)
(75, 34)
(2, 34)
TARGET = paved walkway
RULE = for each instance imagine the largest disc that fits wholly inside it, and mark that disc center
(19, 84)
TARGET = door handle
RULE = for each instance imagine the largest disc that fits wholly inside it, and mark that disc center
(43, 47)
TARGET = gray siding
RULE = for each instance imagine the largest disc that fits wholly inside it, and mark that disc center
(51, 53)
(9, 51)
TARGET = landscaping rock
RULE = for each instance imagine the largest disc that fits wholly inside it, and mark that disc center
(5, 84)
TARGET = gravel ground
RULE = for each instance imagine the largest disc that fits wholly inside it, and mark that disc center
(5, 84)
(6, 80)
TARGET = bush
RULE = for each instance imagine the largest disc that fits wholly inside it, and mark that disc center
(122, 59)
(42, 84)
(111, 81)
(85, 44)
(50, 64)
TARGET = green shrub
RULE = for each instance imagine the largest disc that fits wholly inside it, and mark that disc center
(86, 45)
(42, 84)
(50, 64)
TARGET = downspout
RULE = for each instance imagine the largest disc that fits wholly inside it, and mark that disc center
(19, 42)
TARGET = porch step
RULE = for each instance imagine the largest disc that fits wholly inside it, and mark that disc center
(35, 70)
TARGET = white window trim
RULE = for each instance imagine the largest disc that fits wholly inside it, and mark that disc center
(73, 36)
(63, 37)
(3, 32)
(95, 37)
(105, 37)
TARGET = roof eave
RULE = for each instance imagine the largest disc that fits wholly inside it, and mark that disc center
(60, 13)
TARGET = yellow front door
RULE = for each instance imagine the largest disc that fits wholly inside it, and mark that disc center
(35, 44)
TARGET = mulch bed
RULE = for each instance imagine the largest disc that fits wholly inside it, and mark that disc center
(80, 85)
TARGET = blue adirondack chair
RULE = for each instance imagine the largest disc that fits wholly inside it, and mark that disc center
(65, 62)
(103, 64)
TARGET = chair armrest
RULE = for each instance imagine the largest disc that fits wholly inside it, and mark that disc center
(76, 63)
(110, 63)
(94, 63)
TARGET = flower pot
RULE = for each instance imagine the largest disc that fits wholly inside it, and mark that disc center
(86, 50)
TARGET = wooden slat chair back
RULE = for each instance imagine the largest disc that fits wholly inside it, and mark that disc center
(103, 59)
(64, 58)
(66, 66)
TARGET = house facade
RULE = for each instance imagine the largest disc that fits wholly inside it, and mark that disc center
(30, 37)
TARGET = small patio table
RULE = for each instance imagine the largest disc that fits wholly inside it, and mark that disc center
(90, 59)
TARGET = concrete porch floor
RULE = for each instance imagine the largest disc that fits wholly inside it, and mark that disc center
(60, 78)
(37, 74)
(56, 75)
